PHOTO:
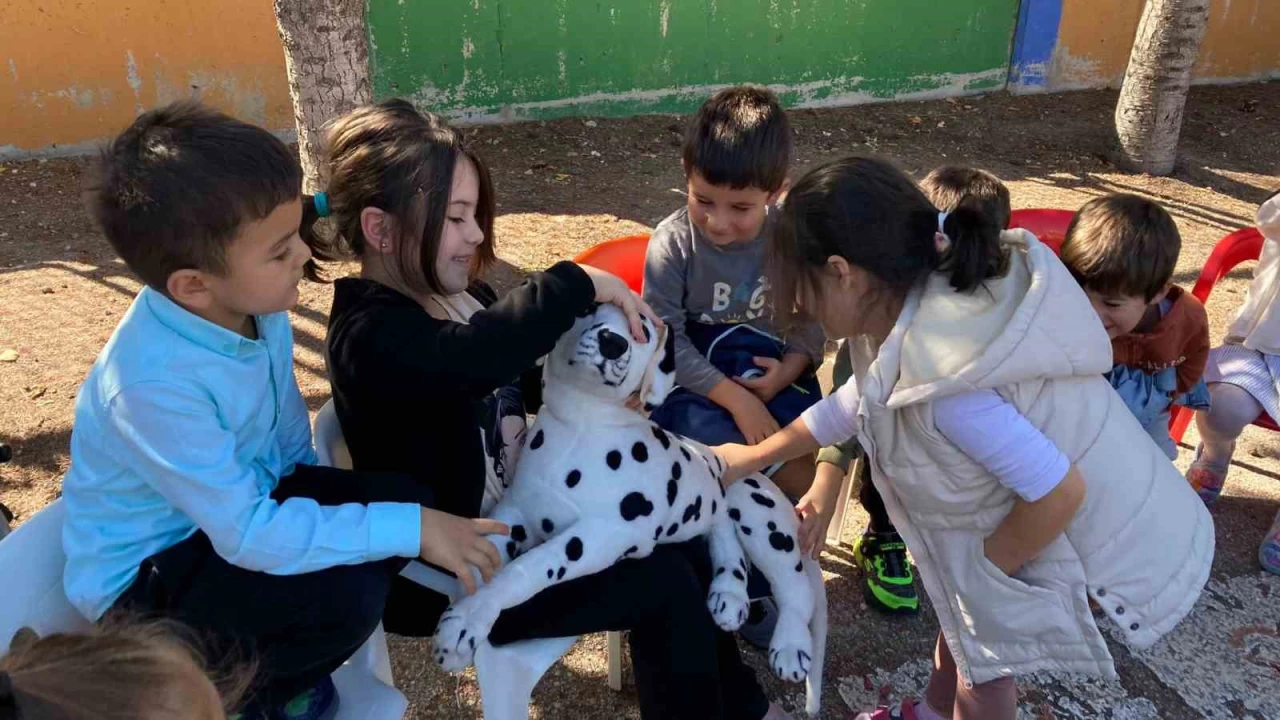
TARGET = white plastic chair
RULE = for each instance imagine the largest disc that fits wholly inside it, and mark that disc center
(507, 674)
(32, 561)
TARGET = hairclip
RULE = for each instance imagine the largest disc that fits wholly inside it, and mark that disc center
(941, 241)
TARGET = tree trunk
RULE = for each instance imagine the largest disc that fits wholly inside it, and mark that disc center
(326, 54)
(1149, 113)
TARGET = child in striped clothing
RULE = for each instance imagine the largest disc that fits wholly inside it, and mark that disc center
(1244, 378)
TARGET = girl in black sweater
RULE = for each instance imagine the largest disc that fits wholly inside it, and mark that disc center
(432, 375)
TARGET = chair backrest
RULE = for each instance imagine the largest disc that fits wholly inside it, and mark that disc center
(1050, 225)
(331, 448)
(622, 256)
(1238, 247)
(32, 563)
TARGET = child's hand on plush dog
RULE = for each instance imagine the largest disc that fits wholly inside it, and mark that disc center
(611, 289)
(457, 544)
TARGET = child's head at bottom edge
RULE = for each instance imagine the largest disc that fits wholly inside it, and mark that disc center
(119, 670)
(857, 234)
(205, 209)
(1122, 249)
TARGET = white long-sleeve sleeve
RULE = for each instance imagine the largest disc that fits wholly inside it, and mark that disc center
(980, 423)
(999, 438)
(835, 418)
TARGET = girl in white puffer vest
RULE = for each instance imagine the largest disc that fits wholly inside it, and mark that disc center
(1022, 485)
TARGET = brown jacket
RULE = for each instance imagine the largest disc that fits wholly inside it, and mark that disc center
(1180, 339)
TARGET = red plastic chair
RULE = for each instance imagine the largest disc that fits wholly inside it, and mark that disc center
(1048, 224)
(1238, 247)
(622, 256)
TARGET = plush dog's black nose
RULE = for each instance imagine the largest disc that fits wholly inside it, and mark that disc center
(612, 345)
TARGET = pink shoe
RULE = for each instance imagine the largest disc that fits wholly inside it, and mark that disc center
(1269, 551)
(1207, 479)
(905, 710)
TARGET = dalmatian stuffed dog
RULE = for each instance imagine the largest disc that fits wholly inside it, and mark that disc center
(598, 483)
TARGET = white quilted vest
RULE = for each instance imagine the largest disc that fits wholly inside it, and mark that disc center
(1142, 543)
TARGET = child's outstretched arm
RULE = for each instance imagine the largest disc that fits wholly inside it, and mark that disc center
(170, 436)
(788, 443)
(817, 507)
(832, 420)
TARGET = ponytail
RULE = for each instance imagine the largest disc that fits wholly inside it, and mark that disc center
(971, 252)
(314, 208)
(870, 213)
(392, 157)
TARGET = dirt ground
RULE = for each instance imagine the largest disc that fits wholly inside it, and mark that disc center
(565, 185)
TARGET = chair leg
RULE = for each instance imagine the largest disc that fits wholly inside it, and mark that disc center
(381, 657)
(836, 528)
(509, 673)
(615, 661)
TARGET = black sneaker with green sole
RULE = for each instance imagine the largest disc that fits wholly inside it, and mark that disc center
(890, 584)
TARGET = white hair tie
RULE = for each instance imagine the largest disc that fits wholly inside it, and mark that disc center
(940, 239)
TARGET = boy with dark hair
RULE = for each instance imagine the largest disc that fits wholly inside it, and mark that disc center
(1122, 249)
(705, 276)
(192, 492)
(740, 379)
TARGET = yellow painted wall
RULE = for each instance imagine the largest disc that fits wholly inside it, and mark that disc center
(1095, 36)
(74, 72)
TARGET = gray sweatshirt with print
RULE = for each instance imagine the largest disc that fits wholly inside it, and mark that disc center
(689, 279)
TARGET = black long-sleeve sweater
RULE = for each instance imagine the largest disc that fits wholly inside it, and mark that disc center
(407, 387)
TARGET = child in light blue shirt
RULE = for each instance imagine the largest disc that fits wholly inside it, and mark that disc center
(192, 492)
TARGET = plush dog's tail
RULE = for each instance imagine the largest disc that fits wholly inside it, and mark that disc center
(818, 630)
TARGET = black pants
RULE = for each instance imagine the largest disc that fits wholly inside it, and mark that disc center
(685, 667)
(873, 503)
(300, 628)
(296, 629)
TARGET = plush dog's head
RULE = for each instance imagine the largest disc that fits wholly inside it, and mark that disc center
(599, 357)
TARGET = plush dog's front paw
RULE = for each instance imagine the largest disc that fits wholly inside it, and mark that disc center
(728, 607)
(457, 636)
(791, 650)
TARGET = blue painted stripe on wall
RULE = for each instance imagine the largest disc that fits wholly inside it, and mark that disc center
(1034, 41)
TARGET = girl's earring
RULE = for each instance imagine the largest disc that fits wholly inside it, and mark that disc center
(383, 245)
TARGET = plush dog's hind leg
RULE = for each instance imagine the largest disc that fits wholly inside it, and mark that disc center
(767, 525)
(728, 599)
(818, 630)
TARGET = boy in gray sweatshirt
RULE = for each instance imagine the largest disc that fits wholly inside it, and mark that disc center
(740, 380)
(704, 274)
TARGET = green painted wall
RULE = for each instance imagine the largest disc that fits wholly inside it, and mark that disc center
(496, 59)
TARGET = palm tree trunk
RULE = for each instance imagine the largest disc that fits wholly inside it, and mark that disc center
(1149, 113)
(326, 54)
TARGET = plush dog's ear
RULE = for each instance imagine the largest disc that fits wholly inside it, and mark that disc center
(660, 375)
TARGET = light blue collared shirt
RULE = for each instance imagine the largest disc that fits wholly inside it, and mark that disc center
(182, 425)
